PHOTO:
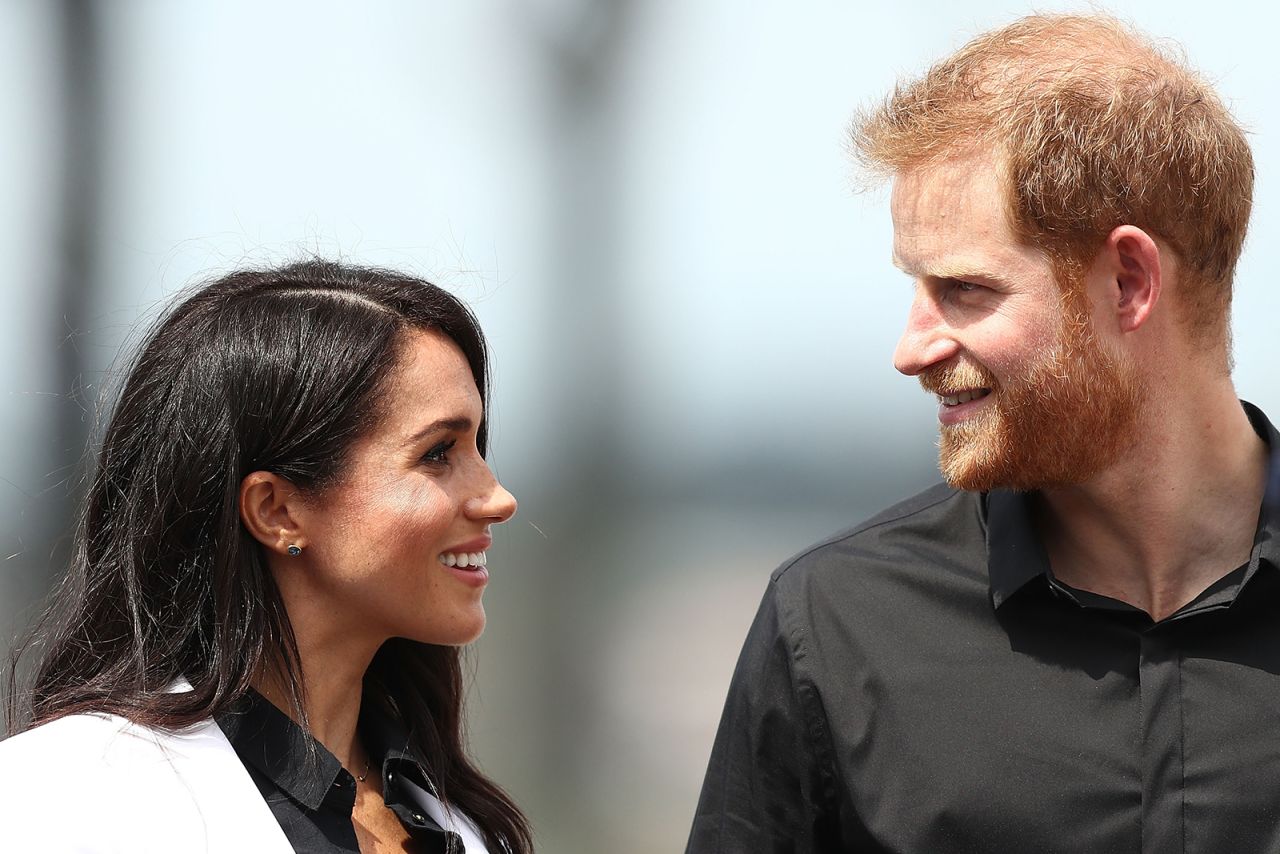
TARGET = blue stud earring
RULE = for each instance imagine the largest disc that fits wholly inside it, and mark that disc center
(293, 550)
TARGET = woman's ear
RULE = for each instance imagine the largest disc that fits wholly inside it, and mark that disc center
(268, 506)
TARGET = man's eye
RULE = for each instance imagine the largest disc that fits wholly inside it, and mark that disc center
(440, 453)
(965, 286)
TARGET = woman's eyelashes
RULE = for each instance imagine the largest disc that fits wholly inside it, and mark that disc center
(439, 453)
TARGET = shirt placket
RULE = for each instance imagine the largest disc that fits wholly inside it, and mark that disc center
(1162, 739)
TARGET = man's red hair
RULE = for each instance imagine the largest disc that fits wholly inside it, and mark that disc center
(1094, 126)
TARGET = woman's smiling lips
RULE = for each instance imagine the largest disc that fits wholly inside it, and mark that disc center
(954, 408)
(467, 560)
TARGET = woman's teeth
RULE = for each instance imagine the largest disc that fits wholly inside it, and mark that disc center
(963, 397)
(464, 559)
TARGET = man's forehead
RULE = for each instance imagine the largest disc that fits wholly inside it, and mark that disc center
(949, 187)
(951, 221)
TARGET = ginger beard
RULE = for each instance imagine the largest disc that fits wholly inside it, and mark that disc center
(1061, 422)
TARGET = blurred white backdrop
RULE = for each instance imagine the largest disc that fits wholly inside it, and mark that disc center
(648, 204)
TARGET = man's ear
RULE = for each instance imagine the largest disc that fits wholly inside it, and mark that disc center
(268, 506)
(1129, 266)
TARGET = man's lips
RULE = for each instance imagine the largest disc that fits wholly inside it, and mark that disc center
(962, 396)
(958, 406)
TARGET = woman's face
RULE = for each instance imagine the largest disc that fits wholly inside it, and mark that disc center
(392, 547)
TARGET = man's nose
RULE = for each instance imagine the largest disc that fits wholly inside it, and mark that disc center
(927, 340)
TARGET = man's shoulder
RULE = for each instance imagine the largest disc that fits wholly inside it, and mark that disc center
(937, 525)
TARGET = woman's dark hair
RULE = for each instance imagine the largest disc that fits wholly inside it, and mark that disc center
(276, 370)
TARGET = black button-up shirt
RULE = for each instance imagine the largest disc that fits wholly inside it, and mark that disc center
(312, 795)
(922, 683)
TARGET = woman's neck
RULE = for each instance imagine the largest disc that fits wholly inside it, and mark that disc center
(331, 696)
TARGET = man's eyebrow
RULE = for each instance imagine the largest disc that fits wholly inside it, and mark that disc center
(458, 424)
(949, 270)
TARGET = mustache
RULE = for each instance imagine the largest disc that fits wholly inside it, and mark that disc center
(953, 379)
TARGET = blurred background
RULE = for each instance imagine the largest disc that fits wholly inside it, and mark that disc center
(650, 207)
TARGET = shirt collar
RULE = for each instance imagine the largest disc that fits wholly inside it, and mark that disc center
(388, 741)
(299, 765)
(1266, 542)
(271, 742)
(1015, 555)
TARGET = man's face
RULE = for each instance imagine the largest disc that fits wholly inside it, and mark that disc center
(1028, 396)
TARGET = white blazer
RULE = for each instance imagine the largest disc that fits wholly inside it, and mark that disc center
(98, 784)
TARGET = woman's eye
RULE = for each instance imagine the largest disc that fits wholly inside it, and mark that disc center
(439, 453)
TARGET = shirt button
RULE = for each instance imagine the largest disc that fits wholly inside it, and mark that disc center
(419, 817)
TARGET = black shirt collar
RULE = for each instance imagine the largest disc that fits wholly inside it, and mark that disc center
(302, 767)
(271, 742)
(309, 792)
(388, 743)
(1015, 555)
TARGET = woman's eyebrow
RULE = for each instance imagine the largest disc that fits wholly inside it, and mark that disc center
(459, 424)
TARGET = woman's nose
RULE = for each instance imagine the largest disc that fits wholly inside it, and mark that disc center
(495, 505)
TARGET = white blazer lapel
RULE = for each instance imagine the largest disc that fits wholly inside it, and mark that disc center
(219, 794)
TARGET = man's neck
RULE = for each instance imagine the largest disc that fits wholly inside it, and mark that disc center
(1175, 514)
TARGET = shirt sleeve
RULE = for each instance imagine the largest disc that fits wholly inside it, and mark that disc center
(766, 789)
